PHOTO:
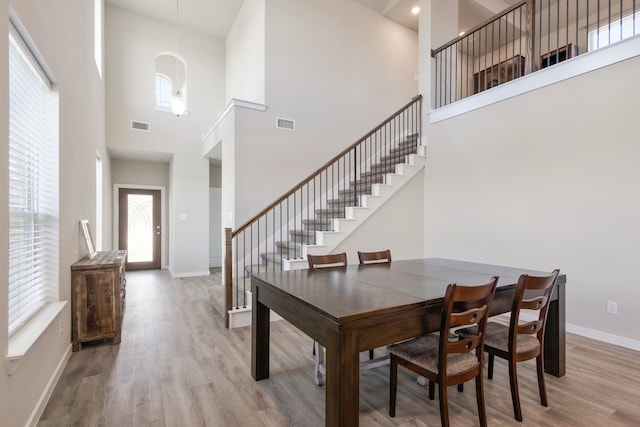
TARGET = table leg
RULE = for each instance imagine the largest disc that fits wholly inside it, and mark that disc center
(342, 380)
(260, 330)
(555, 335)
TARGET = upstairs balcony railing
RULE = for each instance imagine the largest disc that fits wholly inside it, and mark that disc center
(529, 36)
(281, 231)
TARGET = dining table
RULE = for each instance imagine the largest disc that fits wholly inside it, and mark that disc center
(359, 307)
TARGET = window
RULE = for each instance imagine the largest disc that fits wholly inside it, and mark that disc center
(97, 35)
(171, 82)
(163, 92)
(614, 31)
(33, 185)
(98, 202)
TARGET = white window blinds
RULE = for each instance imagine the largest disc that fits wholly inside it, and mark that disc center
(33, 186)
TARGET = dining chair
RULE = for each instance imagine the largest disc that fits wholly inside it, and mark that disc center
(442, 360)
(378, 257)
(522, 340)
(320, 262)
(332, 261)
(317, 262)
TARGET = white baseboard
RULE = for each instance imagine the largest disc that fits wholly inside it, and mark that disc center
(241, 317)
(604, 337)
(596, 335)
(175, 275)
(48, 391)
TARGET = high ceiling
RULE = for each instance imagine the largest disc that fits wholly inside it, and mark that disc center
(215, 17)
(396, 10)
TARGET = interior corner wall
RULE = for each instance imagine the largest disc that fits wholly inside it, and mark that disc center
(425, 67)
(132, 43)
(63, 32)
(545, 180)
(337, 69)
(245, 54)
(215, 176)
(445, 27)
(439, 31)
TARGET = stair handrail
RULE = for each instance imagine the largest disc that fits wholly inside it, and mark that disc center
(457, 76)
(230, 235)
(494, 18)
(322, 168)
(525, 38)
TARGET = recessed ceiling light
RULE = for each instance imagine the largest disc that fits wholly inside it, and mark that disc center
(415, 10)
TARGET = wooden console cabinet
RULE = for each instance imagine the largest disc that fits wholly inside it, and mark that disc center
(98, 297)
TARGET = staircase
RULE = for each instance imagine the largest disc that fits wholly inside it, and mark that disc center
(340, 216)
(321, 211)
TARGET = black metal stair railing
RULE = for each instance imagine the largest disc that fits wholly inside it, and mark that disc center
(528, 36)
(281, 230)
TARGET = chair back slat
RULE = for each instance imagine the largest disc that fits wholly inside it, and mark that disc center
(530, 328)
(456, 312)
(317, 262)
(378, 257)
(464, 345)
(534, 303)
(468, 317)
(527, 284)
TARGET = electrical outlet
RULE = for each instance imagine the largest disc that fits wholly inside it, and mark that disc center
(612, 307)
(61, 326)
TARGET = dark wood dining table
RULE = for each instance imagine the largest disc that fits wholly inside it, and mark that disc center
(353, 309)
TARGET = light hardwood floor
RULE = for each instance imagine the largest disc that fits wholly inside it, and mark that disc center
(178, 366)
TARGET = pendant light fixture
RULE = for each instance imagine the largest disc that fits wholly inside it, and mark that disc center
(178, 103)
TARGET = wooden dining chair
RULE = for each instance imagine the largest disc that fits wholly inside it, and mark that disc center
(379, 257)
(443, 361)
(520, 341)
(320, 262)
(317, 262)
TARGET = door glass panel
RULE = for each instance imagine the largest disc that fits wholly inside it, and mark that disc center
(140, 227)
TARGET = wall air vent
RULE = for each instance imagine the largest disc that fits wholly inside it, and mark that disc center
(286, 124)
(143, 126)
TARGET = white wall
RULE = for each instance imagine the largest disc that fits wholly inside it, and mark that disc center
(337, 69)
(132, 43)
(63, 32)
(215, 216)
(548, 179)
(245, 54)
(397, 225)
(215, 227)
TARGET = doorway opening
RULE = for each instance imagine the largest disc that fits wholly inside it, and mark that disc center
(140, 227)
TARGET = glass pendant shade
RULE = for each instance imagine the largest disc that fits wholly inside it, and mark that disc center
(178, 106)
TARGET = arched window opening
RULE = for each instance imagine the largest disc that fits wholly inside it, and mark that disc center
(171, 83)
